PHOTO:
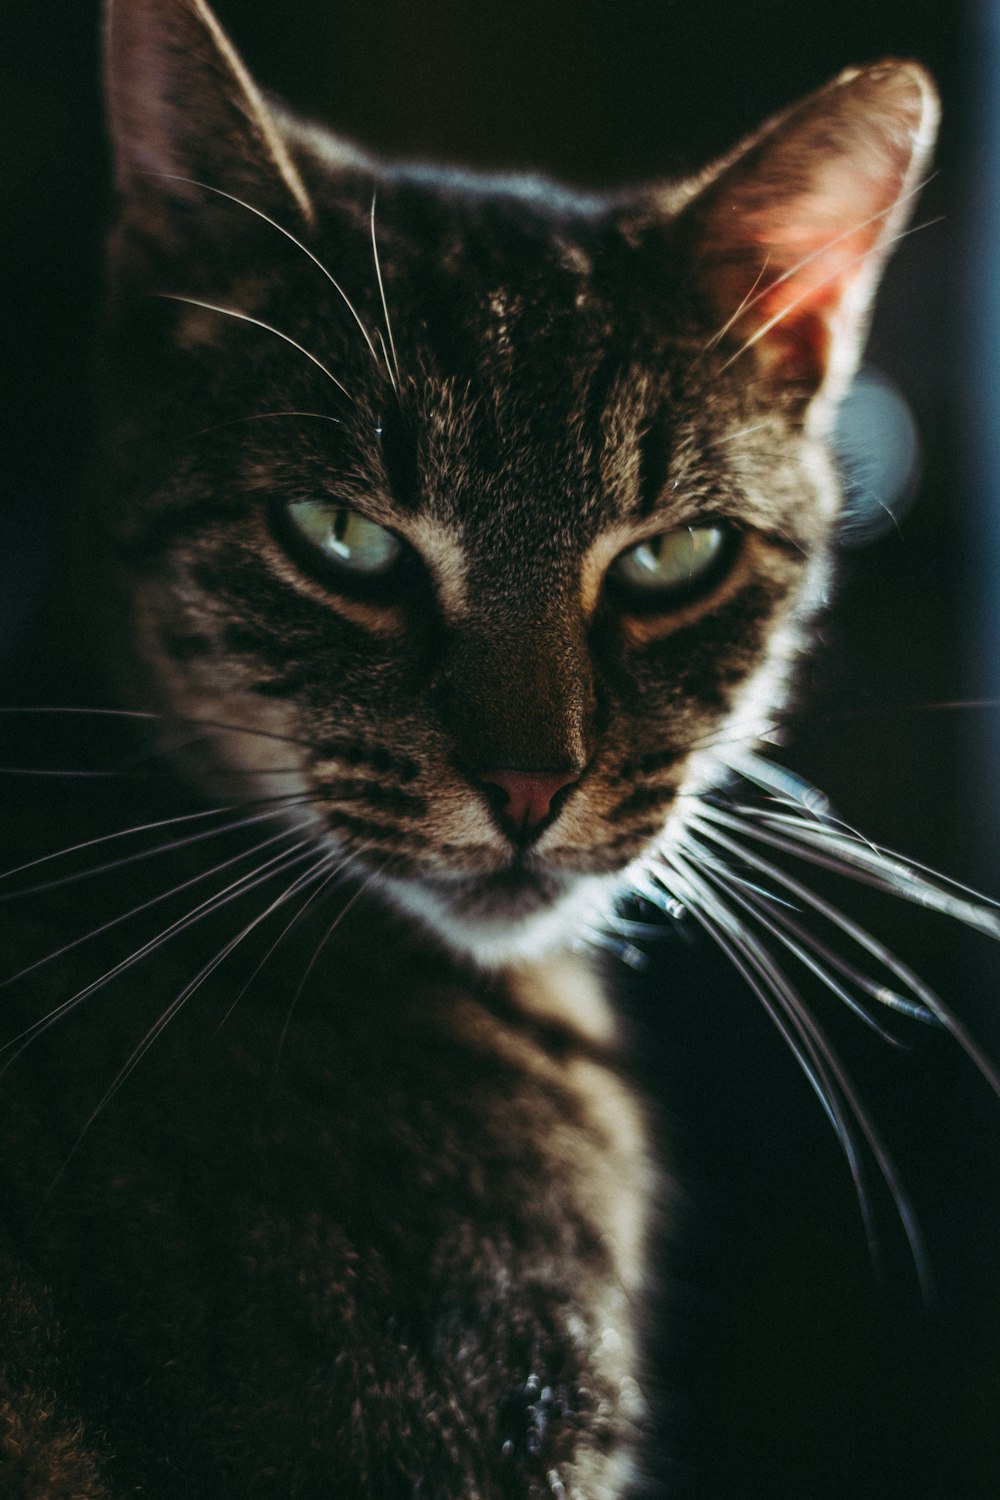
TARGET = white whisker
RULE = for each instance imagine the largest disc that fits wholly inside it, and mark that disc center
(262, 416)
(857, 260)
(331, 929)
(382, 345)
(778, 910)
(789, 933)
(783, 784)
(241, 203)
(303, 882)
(911, 981)
(922, 884)
(148, 716)
(106, 838)
(831, 1081)
(242, 317)
(397, 380)
(56, 773)
(867, 864)
(138, 855)
(754, 296)
(713, 871)
(732, 437)
(179, 1000)
(781, 1006)
(747, 302)
(173, 930)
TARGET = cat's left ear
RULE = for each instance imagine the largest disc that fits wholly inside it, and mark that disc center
(790, 235)
(183, 108)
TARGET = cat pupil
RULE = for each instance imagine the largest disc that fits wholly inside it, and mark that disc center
(338, 530)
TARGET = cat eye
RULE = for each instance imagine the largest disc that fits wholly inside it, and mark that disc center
(664, 569)
(355, 546)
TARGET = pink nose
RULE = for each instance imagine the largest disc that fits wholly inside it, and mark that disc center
(529, 796)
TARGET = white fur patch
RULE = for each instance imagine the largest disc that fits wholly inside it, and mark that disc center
(491, 944)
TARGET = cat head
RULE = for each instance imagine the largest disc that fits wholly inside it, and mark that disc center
(492, 512)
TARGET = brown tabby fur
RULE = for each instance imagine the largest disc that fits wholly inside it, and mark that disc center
(370, 1216)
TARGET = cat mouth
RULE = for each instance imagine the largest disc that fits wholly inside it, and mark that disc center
(515, 891)
(501, 914)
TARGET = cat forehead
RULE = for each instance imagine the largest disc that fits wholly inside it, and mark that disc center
(433, 202)
(512, 253)
(480, 357)
(504, 319)
(540, 360)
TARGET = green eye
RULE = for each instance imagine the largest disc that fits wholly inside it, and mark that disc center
(670, 565)
(343, 537)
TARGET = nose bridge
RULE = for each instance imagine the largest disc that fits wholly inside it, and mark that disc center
(521, 693)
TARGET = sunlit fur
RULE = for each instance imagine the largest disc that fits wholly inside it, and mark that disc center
(429, 1237)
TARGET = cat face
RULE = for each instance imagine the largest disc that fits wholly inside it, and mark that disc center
(503, 509)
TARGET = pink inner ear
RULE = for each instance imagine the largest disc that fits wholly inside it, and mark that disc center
(811, 253)
(794, 231)
(819, 242)
(795, 319)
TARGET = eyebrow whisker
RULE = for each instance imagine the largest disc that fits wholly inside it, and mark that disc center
(232, 312)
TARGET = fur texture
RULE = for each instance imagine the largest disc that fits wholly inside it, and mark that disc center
(326, 1172)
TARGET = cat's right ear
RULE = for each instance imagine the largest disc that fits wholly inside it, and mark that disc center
(184, 110)
(789, 236)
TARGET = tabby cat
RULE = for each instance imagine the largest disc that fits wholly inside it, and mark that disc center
(453, 542)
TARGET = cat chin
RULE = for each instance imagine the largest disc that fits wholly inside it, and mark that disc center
(493, 923)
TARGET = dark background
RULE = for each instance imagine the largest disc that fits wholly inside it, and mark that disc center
(792, 1373)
